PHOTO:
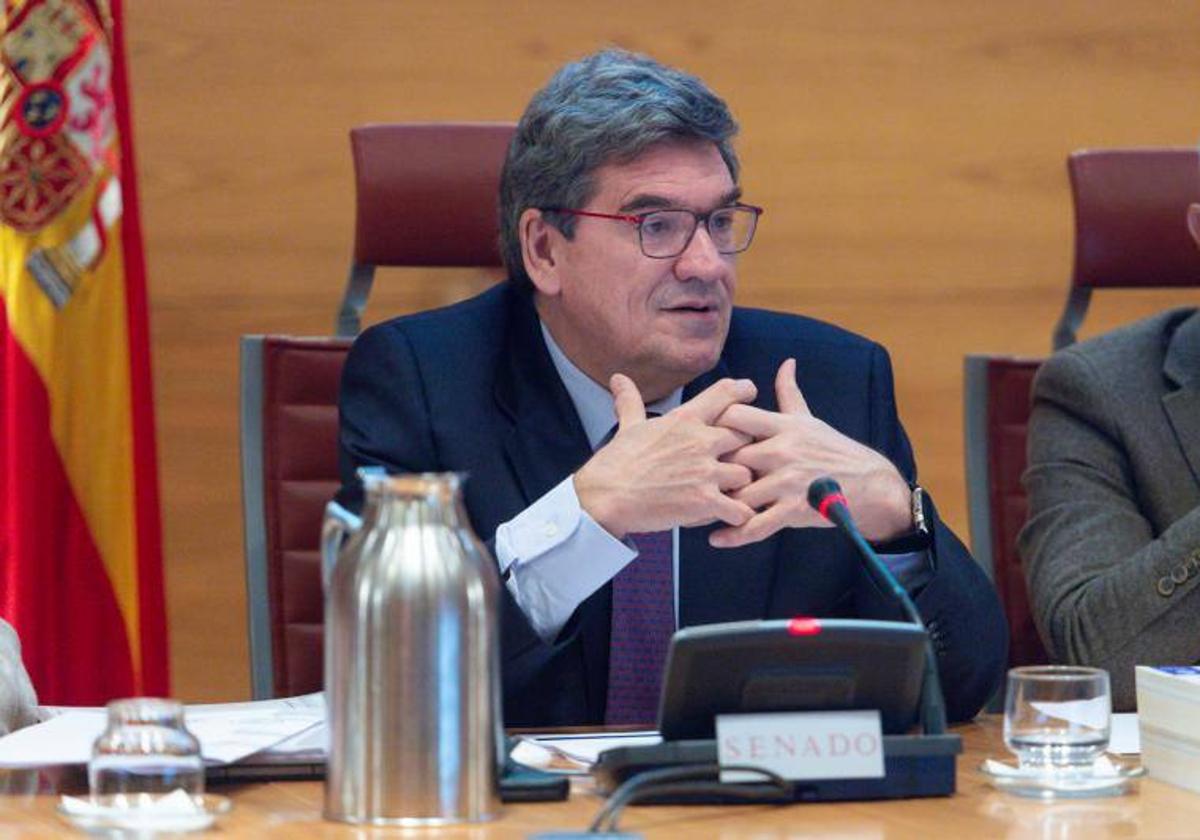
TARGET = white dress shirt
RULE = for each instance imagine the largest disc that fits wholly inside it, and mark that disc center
(553, 554)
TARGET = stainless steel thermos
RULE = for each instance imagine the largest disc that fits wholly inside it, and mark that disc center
(411, 659)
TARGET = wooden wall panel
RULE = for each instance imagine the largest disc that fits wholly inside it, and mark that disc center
(910, 156)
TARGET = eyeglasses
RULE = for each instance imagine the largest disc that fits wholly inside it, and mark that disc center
(667, 233)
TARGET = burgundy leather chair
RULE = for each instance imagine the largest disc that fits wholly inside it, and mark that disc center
(996, 399)
(1131, 225)
(426, 195)
(1131, 231)
(289, 472)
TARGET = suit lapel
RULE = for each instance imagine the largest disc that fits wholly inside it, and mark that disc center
(545, 441)
(1182, 367)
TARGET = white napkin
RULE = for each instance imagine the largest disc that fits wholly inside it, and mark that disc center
(176, 811)
(1102, 769)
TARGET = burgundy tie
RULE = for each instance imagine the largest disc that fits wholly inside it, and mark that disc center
(643, 619)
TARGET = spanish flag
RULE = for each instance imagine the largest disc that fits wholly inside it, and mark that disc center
(80, 540)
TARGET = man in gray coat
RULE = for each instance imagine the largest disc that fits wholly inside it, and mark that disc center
(1112, 543)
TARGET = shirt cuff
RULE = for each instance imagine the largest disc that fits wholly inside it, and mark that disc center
(553, 555)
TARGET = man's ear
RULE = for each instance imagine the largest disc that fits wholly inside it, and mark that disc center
(1193, 222)
(540, 243)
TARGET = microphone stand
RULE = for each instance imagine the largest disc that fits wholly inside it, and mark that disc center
(826, 497)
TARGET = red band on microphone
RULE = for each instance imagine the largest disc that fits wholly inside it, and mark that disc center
(831, 499)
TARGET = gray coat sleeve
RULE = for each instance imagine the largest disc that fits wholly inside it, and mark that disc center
(18, 703)
(1093, 560)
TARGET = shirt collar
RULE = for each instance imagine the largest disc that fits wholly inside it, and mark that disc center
(593, 402)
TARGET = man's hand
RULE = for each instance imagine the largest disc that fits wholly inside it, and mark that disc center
(667, 471)
(790, 449)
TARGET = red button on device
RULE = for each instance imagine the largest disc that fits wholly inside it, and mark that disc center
(803, 627)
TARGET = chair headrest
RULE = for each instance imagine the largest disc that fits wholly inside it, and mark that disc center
(427, 193)
(1131, 217)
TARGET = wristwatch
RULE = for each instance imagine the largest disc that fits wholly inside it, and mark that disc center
(920, 523)
(920, 537)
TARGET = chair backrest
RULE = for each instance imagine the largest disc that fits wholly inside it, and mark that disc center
(996, 400)
(1131, 224)
(426, 195)
(289, 471)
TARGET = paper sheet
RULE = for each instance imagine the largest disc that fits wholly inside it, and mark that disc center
(579, 752)
(1091, 713)
(1123, 732)
(65, 738)
(309, 746)
(1124, 738)
(227, 731)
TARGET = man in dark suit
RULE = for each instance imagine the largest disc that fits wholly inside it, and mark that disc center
(639, 450)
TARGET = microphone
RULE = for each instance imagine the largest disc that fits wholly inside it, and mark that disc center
(825, 496)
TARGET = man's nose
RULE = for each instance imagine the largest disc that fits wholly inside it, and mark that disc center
(700, 258)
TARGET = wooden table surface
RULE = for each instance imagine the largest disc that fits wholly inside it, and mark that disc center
(293, 809)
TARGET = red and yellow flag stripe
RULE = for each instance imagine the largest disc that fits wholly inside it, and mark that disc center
(80, 543)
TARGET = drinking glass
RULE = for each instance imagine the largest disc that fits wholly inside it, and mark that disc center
(146, 749)
(1056, 717)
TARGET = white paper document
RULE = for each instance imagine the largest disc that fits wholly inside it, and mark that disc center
(1123, 727)
(1091, 713)
(64, 739)
(1124, 738)
(226, 731)
(310, 746)
(580, 752)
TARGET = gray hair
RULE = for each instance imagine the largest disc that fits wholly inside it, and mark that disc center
(606, 108)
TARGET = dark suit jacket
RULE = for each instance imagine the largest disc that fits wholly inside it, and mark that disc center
(472, 388)
(1112, 544)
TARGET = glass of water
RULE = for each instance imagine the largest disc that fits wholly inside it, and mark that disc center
(146, 750)
(1056, 717)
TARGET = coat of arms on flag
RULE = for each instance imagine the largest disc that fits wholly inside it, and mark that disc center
(58, 135)
(80, 555)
